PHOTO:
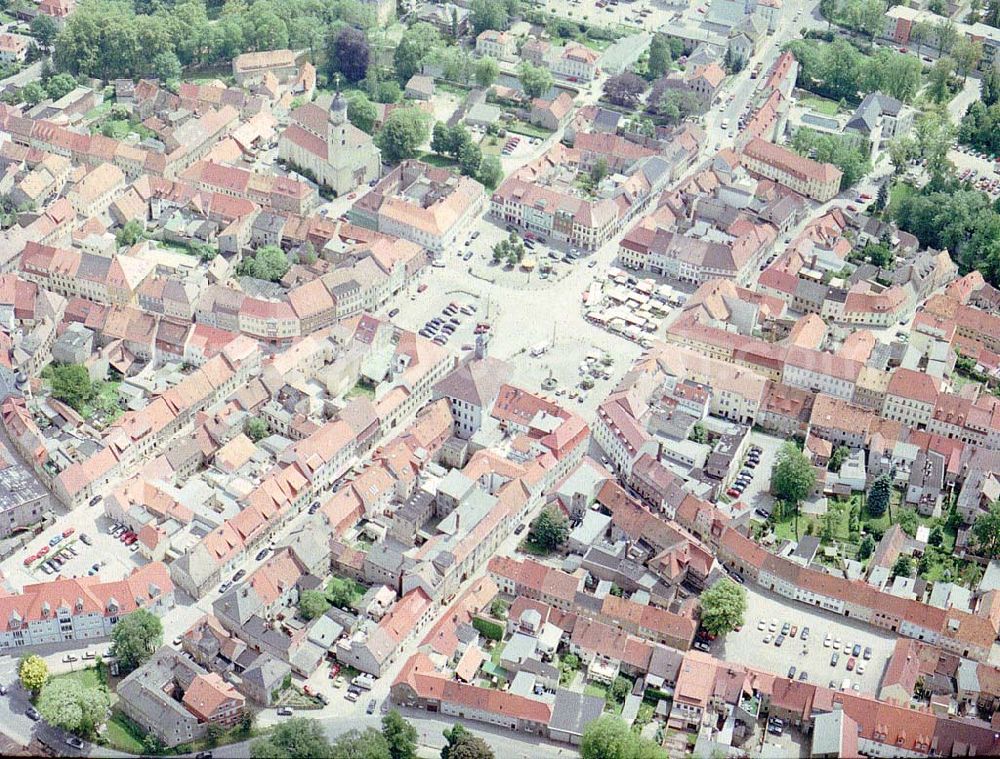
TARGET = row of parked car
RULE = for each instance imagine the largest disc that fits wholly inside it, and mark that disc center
(440, 328)
(745, 477)
(125, 534)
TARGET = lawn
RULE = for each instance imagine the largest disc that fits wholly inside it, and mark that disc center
(821, 105)
(441, 161)
(122, 734)
(89, 678)
(361, 390)
(900, 191)
(523, 127)
(497, 653)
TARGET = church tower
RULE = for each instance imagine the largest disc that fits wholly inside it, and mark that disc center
(336, 129)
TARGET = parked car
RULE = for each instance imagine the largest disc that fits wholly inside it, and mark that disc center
(779, 640)
(32, 713)
(371, 707)
(805, 633)
(850, 663)
(519, 529)
(284, 711)
(55, 541)
(803, 676)
(856, 651)
(225, 586)
(868, 653)
(85, 539)
(240, 574)
(834, 659)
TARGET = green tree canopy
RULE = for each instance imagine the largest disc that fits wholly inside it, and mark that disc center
(404, 131)
(486, 71)
(793, 477)
(400, 735)
(269, 262)
(256, 428)
(71, 384)
(313, 604)
(903, 566)
(723, 606)
(67, 704)
(659, 56)
(878, 495)
(135, 638)
(298, 737)
(464, 744)
(490, 172)
(986, 532)
(362, 112)
(549, 530)
(536, 80)
(608, 737)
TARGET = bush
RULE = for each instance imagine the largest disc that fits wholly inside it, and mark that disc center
(488, 628)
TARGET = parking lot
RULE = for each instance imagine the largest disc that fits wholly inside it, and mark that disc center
(748, 647)
(977, 168)
(757, 494)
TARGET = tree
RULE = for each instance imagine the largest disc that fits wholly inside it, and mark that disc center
(400, 735)
(67, 704)
(793, 477)
(32, 94)
(256, 428)
(946, 34)
(295, 738)
(358, 744)
(135, 638)
(214, 733)
(840, 453)
(986, 532)
(71, 384)
(625, 89)
(486, 71)
(881, 198)
(866, 547)
(620, 688)
(43, 28)
(489, 14)
(348, 53)
(362, 112)
(129, 234)
(535, 80)
(269, 262)
(908, 521)
(463, 744)
(313, 604)
(404, 131)
(967, 54)
(698, 433)
(340, 593)
(33, 673)
(921, 32)
(723, 606)
(417, 43)
(879, 495)
(659, 57)
(549, 530)
(608, 737)
(499, 608)
(936, 538)
(166, 66)
(939, 79)
(490, 172)
(901, 151)
(599, 171)
(903, 566)
(59, 85)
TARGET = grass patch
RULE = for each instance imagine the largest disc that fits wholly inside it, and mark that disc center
(821, 105)
(523, 127)
(89, 678)
(361, 390)
(99, 111)
(124, 735)
(441, 161)
(900, 191)
(497, 653)
(451, 89)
